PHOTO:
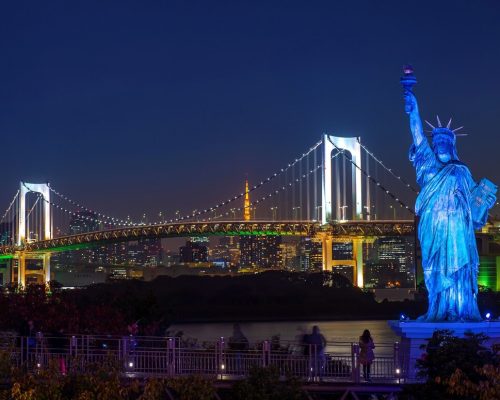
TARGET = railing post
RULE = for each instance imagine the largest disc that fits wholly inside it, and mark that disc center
(73, 346)
(266, 353)
(397, 362)
(220, 357)
(171, 356)
(355, 362)
(21, 351)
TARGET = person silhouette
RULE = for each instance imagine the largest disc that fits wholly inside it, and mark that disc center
(366, 354)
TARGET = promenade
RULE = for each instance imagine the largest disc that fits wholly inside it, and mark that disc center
(144, 357)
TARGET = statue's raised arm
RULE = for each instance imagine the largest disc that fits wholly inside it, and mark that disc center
(411, 105)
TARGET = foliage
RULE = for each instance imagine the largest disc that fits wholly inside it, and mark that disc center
(95, 382)
(454, 367)
(101, 381)
(154, 389)
(5, 364)
(445, 353)
(487, 388)
(192, 387)
(265, 384)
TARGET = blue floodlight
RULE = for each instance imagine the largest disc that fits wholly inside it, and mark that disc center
(487, 316)
(403, 317)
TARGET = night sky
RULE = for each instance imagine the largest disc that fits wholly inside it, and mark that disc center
(133, 106)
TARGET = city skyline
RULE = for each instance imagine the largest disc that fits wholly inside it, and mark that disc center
(102, 112)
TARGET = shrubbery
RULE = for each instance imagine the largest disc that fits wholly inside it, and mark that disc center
(457, 368)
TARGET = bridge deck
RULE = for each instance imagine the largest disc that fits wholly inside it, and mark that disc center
(223, 228)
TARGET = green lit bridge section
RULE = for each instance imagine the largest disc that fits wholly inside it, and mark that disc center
(191, 229)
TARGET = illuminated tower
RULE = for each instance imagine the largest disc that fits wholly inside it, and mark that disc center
(246, 204)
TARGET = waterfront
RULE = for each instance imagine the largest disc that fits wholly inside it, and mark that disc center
(334, 331)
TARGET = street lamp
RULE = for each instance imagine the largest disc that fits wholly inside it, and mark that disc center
(393, 212)
(274, 210)
(295, 214)
(368, 214)
(318, 215)
(342, 208)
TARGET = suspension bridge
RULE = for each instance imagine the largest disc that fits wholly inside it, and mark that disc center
(337, 189)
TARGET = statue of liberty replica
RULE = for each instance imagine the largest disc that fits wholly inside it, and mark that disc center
(450, 206)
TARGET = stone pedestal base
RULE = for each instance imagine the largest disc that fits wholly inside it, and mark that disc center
(415, 334)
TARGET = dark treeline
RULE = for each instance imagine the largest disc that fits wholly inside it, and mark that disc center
(108, 308)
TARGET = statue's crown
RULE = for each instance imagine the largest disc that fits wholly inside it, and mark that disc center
(444, 132)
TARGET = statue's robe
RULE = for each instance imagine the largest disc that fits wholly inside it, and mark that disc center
(449, 252)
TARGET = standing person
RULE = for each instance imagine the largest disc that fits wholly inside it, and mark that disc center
(366, 355)
(29, 331)
(237, 344)
(317, 343)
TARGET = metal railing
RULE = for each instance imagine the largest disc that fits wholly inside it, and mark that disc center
(170, 356)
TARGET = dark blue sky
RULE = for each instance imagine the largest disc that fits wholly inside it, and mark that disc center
(160, 105)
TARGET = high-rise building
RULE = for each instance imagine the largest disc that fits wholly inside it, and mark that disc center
(195, 251)
(225, 251)
(391, 263)
(5, 233)
(260, 251)
(290, 255)
(311, 254)
(342, 250)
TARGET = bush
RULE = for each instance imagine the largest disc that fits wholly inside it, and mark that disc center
(454, 367)
(265, 384)
(192, 387)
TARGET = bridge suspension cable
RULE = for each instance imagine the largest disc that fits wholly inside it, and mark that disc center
(113, 220)
(280, 189)
(253, 188)
(10, 206)
(9, 231)
(405, 183)
(377, 183)
(120, 222)
(87, 218)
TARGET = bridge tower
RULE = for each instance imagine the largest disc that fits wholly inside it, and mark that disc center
(37, 264)
(44, 190)
(350, 144)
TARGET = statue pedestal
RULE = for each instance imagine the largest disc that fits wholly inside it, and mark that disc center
(415, 334)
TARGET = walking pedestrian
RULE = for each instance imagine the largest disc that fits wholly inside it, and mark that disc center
(238, 343)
